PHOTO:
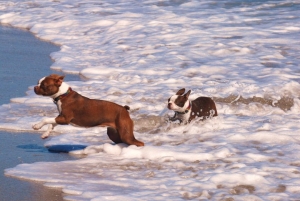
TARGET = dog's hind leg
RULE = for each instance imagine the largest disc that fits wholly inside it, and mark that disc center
(126, 133)
(113, 135)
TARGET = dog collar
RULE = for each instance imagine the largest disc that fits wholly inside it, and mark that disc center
(186, 110)
(55, 100)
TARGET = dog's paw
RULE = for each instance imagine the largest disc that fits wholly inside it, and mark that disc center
(37, 126)
(45, 135)
(172, 119)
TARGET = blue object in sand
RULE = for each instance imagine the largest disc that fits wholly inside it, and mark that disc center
(65, 148)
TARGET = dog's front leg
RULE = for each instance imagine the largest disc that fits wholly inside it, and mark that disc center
(48, 131)
(50, 121)
(174, 118)
(39, 125)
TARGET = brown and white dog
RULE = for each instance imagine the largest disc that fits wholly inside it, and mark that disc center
(186, 110)
(79, 110)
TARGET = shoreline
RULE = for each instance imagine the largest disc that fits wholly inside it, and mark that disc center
(28, 31)
(23, 50)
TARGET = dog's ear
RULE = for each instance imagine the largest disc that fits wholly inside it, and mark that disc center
(180, 92)
(55, 76)
(61, 78)
(187, 94)
(58, 79)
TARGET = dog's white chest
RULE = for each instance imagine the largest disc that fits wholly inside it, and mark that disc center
(184, 117)
(58, 104)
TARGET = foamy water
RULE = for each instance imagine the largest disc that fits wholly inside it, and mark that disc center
(243, 54)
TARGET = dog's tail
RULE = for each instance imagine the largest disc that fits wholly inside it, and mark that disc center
(126, 107)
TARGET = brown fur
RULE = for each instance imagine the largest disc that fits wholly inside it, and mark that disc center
(202, 107)
(85, 112)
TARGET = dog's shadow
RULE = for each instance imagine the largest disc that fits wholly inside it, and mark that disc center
(32, 148)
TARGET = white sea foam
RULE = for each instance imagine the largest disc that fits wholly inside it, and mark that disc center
(139, 53)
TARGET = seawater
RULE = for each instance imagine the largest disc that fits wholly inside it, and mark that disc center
(140, 53)
(23, 60)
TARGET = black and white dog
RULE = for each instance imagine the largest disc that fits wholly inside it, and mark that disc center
(186, 110)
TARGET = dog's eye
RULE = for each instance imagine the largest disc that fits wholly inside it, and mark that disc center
(44, 87)
(169, 100)
(49, 87)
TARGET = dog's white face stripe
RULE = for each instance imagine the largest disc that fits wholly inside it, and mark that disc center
(173, 98)
(172, 102)
(40, 81)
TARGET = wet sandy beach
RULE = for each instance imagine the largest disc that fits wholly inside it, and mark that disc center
(23, 60)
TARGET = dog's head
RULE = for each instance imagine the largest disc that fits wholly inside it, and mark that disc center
(48, 86)
(180, 101)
